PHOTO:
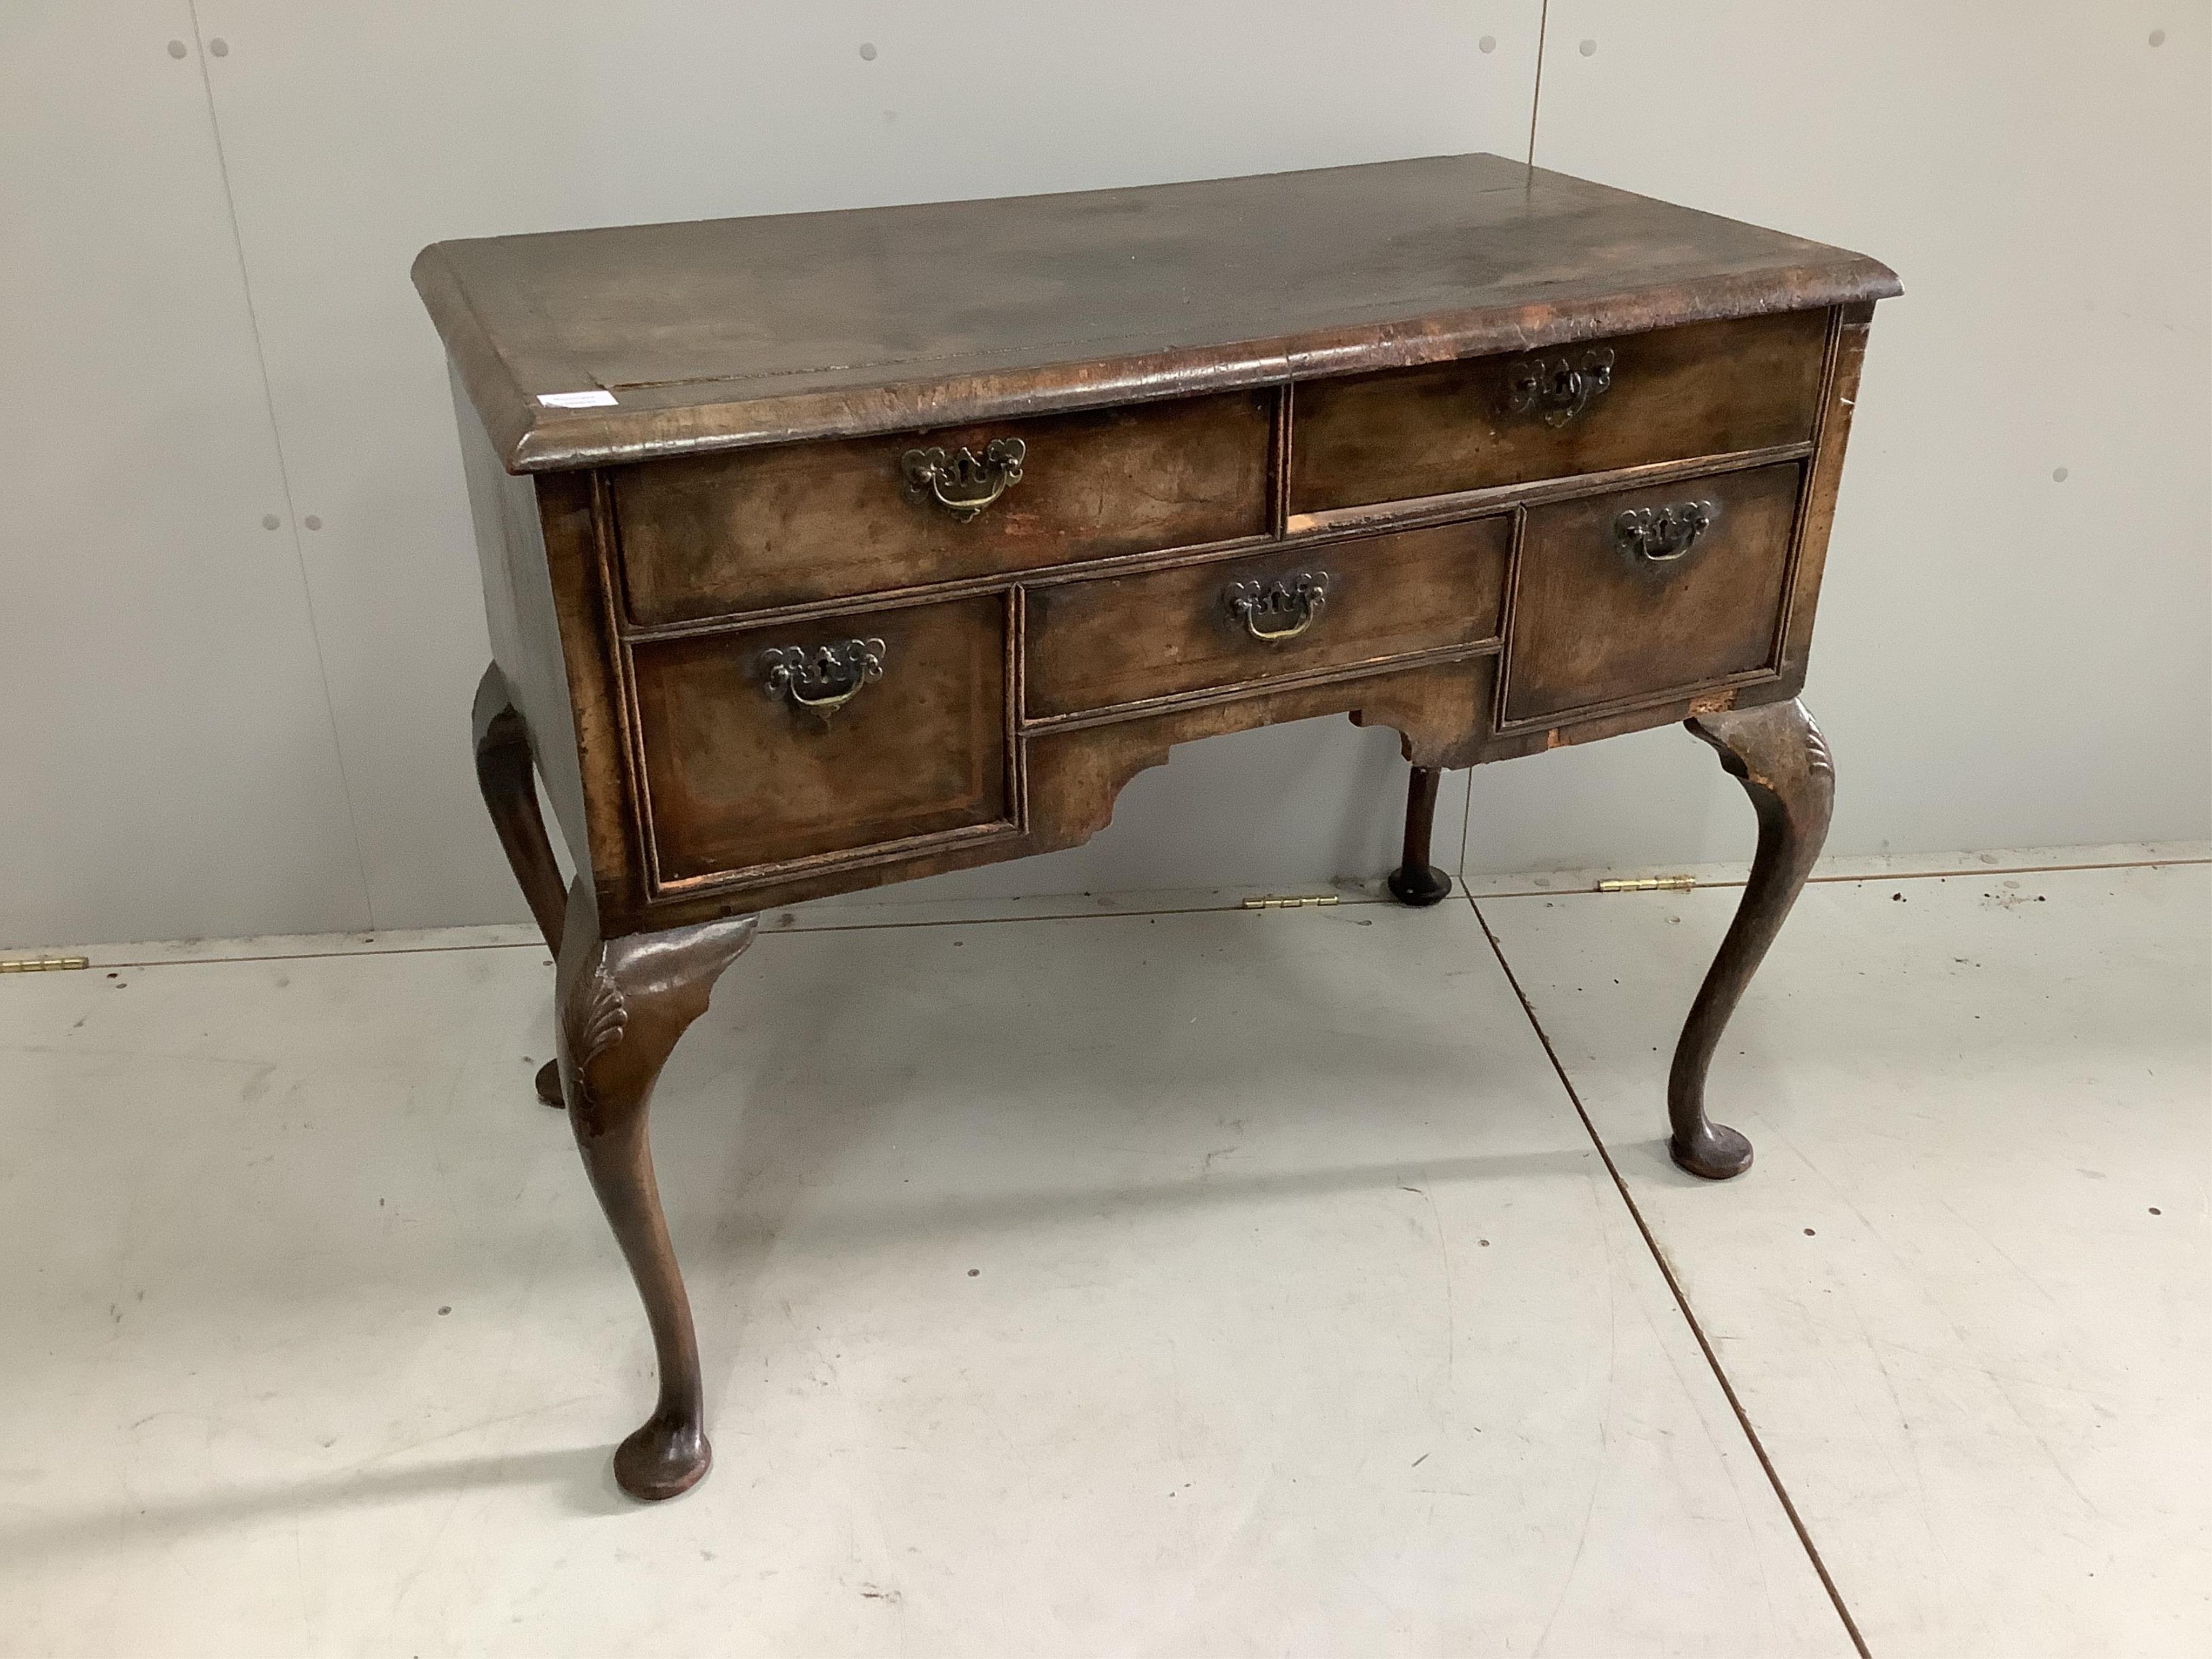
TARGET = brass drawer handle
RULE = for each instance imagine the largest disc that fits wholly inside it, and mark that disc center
(963, 483)
(824, 680)
(1259, 605)
(1557, 389)
(1659, 535)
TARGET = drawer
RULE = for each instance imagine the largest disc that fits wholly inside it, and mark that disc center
(1673, 394)
(740, 772)
(1109, 640)
(1647, 592)
(715, 535)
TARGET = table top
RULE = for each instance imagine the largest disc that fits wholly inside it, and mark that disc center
(722, 333)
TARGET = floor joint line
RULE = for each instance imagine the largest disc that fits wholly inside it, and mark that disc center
(1674, 1286)
(1347, 900)
(1832, 877)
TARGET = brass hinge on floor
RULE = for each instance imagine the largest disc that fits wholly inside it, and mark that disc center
(1313, 902)
(1650, 884)
(43, 964)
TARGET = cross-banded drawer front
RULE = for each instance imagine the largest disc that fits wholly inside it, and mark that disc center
(1650, 592)
(1112, 641)
(781, 743)
(719, 535)
(1673, 394)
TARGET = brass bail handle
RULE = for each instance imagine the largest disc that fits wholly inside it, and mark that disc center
(1660, 535)
(1262, 606)
(822, 679)
(964, 483)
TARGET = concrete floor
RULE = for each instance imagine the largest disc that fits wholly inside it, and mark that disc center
(1162, 1281)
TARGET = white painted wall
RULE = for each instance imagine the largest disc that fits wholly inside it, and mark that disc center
(218, 728)
(166, 756)
(2002, 658)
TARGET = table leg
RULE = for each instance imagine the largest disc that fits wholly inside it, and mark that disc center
(624, 1004)
(510, 794)
(1416, 881)
(1783, 761)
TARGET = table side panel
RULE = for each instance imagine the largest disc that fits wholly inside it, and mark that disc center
(519, 614)
(1846, 355)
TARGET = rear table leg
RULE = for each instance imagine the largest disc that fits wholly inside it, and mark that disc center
(510, 794)
(1416, 881)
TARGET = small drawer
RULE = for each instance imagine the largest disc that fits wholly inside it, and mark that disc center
(718, 535)
(1111, 640)
(1674, 394)
(1636, 595)
(814, 738)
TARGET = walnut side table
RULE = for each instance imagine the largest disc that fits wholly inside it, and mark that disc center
(830, 550)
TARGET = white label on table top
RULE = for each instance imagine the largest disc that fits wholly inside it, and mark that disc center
(594, 398)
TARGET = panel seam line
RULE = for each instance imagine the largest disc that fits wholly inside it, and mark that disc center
(283, 469)
(1536, 90)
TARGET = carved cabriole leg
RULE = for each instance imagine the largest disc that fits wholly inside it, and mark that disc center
(510, 793)
(1779, 756)
(1416, 881)
(623, 1004)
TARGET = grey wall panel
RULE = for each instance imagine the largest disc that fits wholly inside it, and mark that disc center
(2004, 658)
(167, 758)
(356, 137)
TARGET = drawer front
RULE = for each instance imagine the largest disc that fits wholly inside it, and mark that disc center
(1674, 394)
(751, 759)
(1646, 591)
(715, 535)
(1110, 640)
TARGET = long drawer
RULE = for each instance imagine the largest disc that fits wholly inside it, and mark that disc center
(718, 535)
(1673, 394)
(1106, 641)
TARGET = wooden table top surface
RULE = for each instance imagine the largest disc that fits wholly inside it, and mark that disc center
(721, 333)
